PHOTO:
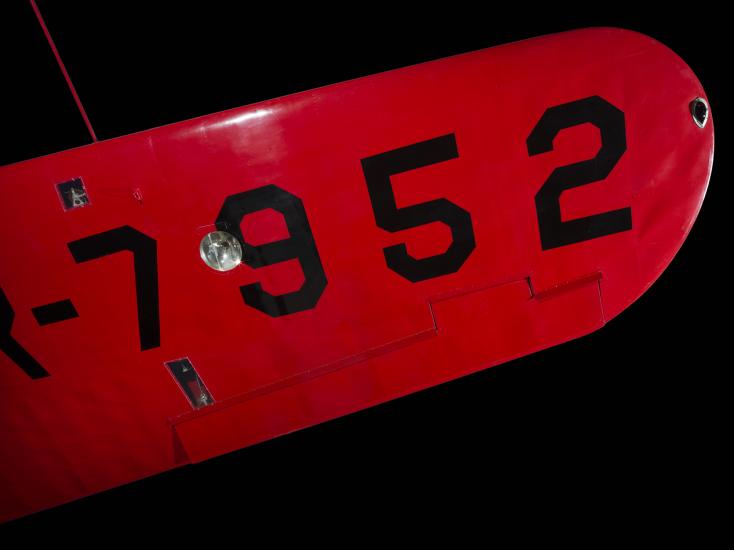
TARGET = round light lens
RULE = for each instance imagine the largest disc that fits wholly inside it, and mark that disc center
(221, 250)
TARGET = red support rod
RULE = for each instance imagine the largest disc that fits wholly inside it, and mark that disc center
(63, 69)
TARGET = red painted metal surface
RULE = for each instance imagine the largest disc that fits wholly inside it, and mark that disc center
(109, 413)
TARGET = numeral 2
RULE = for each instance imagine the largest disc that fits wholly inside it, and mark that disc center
(610, 121)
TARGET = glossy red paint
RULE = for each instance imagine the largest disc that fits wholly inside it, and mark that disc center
(110, 413)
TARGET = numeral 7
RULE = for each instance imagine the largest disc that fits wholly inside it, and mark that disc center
(145, 262)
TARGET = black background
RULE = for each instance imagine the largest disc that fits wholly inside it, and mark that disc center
(624, 424)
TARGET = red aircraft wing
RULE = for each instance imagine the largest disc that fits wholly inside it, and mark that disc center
(398, 231)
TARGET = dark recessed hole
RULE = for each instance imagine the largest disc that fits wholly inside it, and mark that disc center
(700, 111)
